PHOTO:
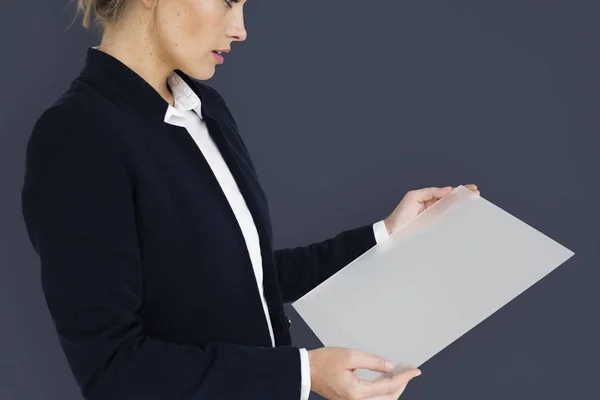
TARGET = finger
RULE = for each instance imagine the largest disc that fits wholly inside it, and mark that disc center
(407, 375)
(370, 361)
(473, 188)
(385, 386)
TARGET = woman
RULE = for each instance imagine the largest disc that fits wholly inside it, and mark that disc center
(154, 234)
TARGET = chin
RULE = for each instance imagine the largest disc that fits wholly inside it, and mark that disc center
(201, 73)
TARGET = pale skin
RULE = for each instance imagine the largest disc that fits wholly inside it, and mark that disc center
(156, 37)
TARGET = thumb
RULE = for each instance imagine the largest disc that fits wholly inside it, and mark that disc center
(431, 193)
(383, 386)
(360, 360)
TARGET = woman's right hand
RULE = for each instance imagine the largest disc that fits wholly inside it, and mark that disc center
(332, 375)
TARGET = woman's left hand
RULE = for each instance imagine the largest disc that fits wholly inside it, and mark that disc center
(415, 202)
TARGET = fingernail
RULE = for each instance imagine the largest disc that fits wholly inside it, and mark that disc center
(389, 365)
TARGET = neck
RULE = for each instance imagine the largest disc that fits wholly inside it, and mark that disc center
(137, 52)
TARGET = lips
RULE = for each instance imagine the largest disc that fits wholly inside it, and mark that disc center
(218, 54)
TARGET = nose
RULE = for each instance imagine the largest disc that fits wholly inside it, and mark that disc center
(237, 31)
(240, 35)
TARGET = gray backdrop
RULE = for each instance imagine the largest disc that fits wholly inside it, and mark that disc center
(344, 107)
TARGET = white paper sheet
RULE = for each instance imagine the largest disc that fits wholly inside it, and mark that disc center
(443, 273)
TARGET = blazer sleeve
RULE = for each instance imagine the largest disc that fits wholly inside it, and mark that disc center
(78, 206)
(301, 269)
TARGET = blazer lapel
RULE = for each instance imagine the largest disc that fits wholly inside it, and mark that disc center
(243, 174)
(223, 131)
(241, 168)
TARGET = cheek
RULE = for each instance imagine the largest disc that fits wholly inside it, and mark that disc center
(191, 28)
(200, 21)
(174, 23)
(188, 33)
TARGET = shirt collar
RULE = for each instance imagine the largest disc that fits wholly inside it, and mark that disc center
(185, 98)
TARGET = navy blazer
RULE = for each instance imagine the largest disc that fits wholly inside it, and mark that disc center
(144, 268)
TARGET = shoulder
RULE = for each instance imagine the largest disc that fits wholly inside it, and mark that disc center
(72, 128)
(80, 116)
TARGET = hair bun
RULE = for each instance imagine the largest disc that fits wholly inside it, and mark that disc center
(105, 11)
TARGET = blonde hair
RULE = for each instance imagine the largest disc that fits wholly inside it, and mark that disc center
(105, 12)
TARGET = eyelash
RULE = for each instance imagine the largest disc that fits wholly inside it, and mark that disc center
(228, 2)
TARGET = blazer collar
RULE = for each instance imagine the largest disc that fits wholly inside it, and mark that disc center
(116, 78)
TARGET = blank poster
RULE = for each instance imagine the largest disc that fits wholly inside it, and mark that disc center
(443, 273)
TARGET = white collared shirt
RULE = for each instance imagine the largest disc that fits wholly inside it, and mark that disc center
(187, 114)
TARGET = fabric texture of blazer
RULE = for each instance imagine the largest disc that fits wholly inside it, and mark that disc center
(143, 265)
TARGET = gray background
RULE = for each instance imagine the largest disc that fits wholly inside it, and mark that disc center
(344, 107)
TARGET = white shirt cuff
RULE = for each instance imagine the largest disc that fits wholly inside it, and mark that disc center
(305, 368)
(380, 231)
